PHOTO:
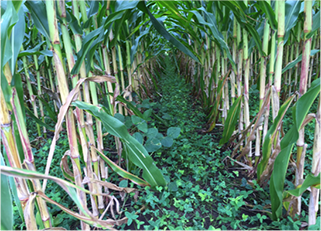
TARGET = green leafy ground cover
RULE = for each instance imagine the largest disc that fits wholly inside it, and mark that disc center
(202, 192)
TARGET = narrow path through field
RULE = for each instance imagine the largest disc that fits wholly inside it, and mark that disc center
(200, 192)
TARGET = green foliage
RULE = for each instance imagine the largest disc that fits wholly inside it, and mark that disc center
(135, 151)
(6, 202)
(299, 112)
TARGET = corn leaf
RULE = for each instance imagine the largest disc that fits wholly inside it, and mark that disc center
(269, 13)
(161, 29)
(136, 152)
(6, 202)
(300, 110)
(231, 120)
(123, 173)
(297, 60)
(270, 135)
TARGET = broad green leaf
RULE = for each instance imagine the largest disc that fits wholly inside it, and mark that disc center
(13, 187)
(153, 144)
(231, 120)
(93, 40)
(8, 20)
(309, 180)
(138, 136)
(159, 136)
(136, 152)
(122, 172)
(125, 5)
(241, 17)
(152, 132)
(255, 36)
(299, 112)
(53, 115)
(6, 202)
(94, 7)
(167, 142)
(215, 32)
(292, 11)
(140, 123)
(130, 106)
(173, 132)
(134, 47)
(147, 114)
(260, 30)
(38, 14)
(315, 25)
(277, 181)
(268, 139)
(86, 45)
(161, 29)
(120, 117)
(269, 14)
(17, 36)
(35, 51)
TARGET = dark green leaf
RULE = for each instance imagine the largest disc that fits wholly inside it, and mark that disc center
(138, 136)
(153, 144)
(152, 132)
(269, 13)
(139, 123)
(38, 14)
(167, 142)
(173, 132)
(161, 29)
(136, 152)
(315, 25)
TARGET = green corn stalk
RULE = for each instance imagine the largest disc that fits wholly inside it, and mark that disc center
(35, 58)
(246, 82)
(108, 86)
(239, 76)
(80, 116)
(10, 146)
(280, 12)
(314, 195)
(290, 71)
(303, 88)
(121, 69)
(64, 91)
(263, 65)
(297, 66)
(32, 96)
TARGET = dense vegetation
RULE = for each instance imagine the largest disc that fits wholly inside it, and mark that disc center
(160, 115)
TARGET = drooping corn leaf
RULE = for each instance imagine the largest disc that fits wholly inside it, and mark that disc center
(161, 29)
(300, 110)
(231, 120)
(269, 13)
(122, 172)
(310, 180)
(136, 152)
(269, 138)
(297, 60)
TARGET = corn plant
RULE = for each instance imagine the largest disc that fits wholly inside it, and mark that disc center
(51, 19)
